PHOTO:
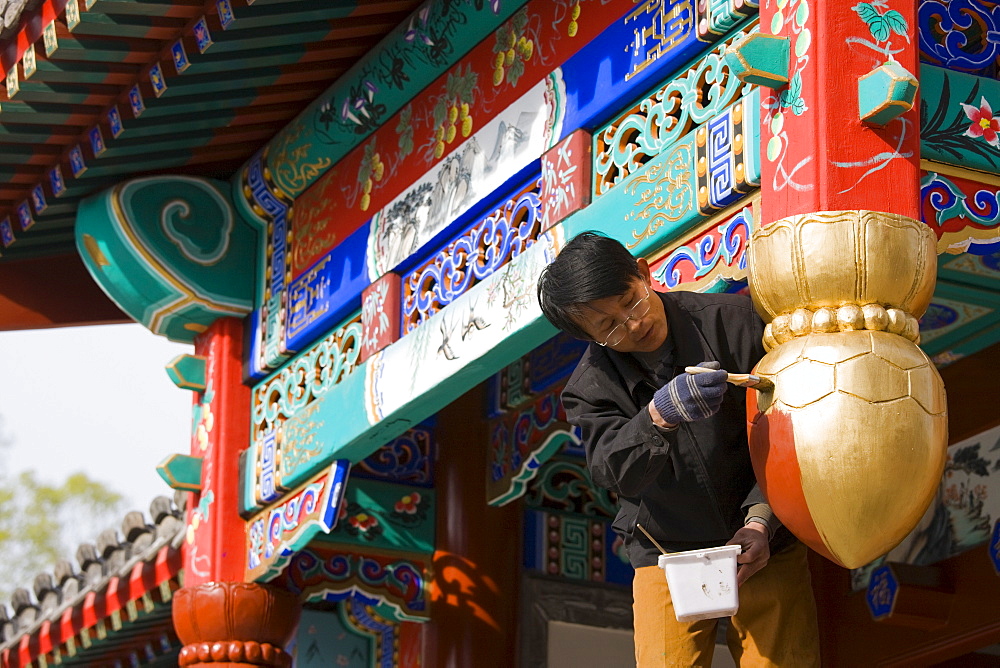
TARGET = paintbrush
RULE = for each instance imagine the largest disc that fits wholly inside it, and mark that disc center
(738, 379)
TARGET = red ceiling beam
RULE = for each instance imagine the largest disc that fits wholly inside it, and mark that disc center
(52, 292)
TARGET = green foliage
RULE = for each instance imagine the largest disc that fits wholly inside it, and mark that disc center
(41, 523)
(881, 25)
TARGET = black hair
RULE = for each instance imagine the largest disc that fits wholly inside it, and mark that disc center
(590, 267)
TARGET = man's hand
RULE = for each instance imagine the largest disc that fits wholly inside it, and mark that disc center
(689, 397)
(756, 550)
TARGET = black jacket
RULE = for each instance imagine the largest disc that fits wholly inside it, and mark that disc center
(689, 487)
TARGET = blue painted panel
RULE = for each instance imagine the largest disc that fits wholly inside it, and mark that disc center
(882, 589)
(631, 56)
(328, 291)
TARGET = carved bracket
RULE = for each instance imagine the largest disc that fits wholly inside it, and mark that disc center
(885, 93)
(760, 59)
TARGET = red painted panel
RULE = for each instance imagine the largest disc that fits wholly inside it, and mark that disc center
(566, 178)
(461, 101)
(381, 314)
(817, 154)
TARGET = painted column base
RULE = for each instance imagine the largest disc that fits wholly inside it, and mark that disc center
(235, 624)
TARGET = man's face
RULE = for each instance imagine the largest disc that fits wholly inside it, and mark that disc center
(642, 333)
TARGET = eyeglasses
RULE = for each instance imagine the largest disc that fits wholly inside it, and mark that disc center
(618, 332)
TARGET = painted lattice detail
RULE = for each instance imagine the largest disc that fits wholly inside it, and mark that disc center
(717, 253)
(395, 586)
(292, 392)
(721, 170)
(564, 485)
(959, 35)
(270, 319)
(479, 252)
(576, 547)
(307, 377)
(408, 459)
(664, 117)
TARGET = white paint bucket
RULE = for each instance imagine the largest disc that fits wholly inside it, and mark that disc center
(702, 582)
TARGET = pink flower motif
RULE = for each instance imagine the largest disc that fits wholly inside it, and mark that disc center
(363, 521)
(408, 504)
(983, 123)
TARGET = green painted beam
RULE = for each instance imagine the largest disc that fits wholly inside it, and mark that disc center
(184, 8)
(66, 93)
(35, 113)
(181, 472)
(100, 49)
(213, 83)
(97, 24)
(463, 24)
(83, 73)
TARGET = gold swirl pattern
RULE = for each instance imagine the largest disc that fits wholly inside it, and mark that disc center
(665, 194)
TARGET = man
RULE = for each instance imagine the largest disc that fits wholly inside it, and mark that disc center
(673, 447)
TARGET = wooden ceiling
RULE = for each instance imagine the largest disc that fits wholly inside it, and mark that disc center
(217, 79)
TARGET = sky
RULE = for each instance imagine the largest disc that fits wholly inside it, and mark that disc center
(93, 399)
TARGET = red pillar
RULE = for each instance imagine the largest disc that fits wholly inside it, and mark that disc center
(817, 154)
(221, 620)
(477, 566)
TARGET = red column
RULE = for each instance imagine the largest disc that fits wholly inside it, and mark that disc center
(474, 590)
(221, 620)
(817, 154)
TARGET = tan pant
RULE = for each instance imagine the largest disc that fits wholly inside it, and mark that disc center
(775, 625)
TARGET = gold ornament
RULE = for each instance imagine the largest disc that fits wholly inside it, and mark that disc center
(850, 444)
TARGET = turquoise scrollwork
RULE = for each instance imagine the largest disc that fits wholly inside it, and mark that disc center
(170, 251)
(308, 376)
(565, 486)
(665, 116)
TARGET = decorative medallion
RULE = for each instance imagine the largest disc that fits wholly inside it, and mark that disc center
(156, 80)
(72, 14)
(97, 146)
(50, 39)
(115, 121)
(56, 180)
(202, 35)
(225, 10)
(13, 86)
(179, 56)
(76, 162)
(24, 215)
(38, 198)
(135, 101)
(28, 61)
(6, 232)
